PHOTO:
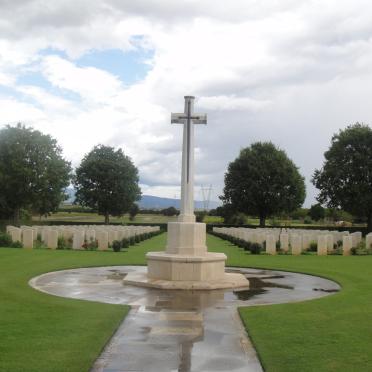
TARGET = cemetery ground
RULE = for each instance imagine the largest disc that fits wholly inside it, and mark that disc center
(160, 218)
(39, 332)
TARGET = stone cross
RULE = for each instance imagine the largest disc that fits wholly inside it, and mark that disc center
(188, 117)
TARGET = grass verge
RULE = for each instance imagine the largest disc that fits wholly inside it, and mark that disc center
(39, 332)
(329, 334)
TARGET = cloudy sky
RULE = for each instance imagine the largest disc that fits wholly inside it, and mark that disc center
(110, 71)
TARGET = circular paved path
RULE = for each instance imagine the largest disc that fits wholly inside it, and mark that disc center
(183, 331)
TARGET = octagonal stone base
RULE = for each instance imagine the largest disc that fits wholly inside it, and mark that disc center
(230, 280)
(186, 264)
(173, 271)
(210, 266)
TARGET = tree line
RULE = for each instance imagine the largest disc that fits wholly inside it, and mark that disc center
(34, 176)
(262, 181)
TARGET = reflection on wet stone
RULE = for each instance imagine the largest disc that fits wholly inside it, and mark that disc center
(186, 331)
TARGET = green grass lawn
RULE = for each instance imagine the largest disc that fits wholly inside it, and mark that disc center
(94, 217)
(39, 332)
(329, 334)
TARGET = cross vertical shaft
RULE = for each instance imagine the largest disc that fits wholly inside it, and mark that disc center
(188, 118)
(187, 177)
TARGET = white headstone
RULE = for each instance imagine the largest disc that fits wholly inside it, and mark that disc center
(102, 238)
(284, 242)
(28, 238)
(322, 245)
(52, 239)
(369, 241)
(296, 245)
(78, 239)
(347, 244)
(270, 244)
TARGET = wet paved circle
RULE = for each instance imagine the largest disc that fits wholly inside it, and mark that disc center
(181, 330)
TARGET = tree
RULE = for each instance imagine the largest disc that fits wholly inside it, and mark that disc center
(299, 214)
(317, 212)
(33, 174)
(171, 211)
(107, 181)
(133, 211)
(345, 180)
(263, 181)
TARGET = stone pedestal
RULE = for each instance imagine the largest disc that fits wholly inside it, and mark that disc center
(186, 264)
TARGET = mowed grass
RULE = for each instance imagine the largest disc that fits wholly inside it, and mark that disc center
(40, 333)
(94, 217)
(329, 334)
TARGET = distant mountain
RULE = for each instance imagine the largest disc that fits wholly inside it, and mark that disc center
(151, 202)
(155, 202)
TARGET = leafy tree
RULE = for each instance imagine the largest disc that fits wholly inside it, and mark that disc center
(171, 211)
(263, 181)
(133, 211)
(317, 212)
(299, 214)
(33, 173)
(345, 181)
(107, 181)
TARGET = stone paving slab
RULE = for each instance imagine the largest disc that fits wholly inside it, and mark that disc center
(185, 331)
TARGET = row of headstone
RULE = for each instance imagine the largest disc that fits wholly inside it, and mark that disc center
(298, 240)
(78, 235)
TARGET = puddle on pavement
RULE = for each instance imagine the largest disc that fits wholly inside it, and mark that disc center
(326, 290)
(182, 330)
(116, 275)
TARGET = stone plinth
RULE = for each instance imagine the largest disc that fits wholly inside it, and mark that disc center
(166, 266)
(186, 238)
(186, 264)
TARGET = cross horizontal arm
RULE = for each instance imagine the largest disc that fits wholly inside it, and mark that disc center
(180, 118)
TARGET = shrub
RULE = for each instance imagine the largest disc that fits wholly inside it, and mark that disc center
(132, 240)
(61, 243)
(361, 250)
(90, 245)
(308, 220)
(16, 244)
(125, 243)
(313, 247)
(5, 240)
(256, 248)
(116, 245)
(38, 244)
(247, 246)
(137, 238)
(200, 215)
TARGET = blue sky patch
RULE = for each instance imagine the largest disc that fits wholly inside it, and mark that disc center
(130, 66)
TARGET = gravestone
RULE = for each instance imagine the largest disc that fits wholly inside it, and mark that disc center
(102, 238)
(52, 239)
(347, 244)
(369, 241)
(284, 242)
(322, 245)
(78, 239)
(28, 238)
(270, 244)
(16, 234)
(296, 245)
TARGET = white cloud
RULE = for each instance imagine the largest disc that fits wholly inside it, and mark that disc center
(288, 71)
(90, 83)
